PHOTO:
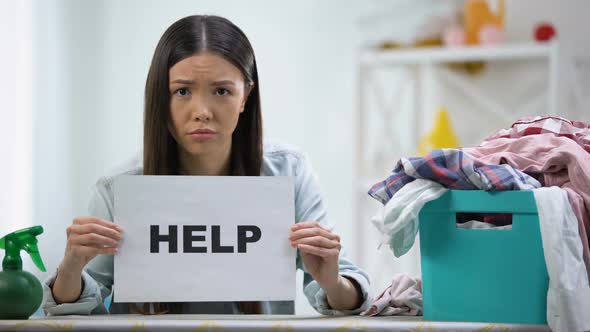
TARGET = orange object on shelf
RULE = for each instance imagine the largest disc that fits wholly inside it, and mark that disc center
(478, 14)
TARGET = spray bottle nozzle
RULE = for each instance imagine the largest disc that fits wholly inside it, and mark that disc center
(24, 239)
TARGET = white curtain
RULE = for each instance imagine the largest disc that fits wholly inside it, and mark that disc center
(15, 115)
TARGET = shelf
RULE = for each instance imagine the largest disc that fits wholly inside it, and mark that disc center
(457, 54)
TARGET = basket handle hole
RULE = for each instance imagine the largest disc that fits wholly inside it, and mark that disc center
(496, 221)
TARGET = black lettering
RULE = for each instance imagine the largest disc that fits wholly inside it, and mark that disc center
(216, 241)
(243, 239)
(156, 238)
(189, 238)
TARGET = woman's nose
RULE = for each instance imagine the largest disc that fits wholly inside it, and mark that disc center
(201, 111)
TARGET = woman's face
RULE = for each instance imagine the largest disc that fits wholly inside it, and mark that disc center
(207, 95)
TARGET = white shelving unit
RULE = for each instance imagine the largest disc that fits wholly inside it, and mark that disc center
(418, 67)
(456, 54)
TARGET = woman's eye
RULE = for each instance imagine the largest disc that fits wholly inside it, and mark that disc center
(222, 92)
(182, 92)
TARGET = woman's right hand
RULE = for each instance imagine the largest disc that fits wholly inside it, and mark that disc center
(87, 238)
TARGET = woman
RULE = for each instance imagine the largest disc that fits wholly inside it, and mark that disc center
(202, 117)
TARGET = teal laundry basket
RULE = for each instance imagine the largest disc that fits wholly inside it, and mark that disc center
(476, 275)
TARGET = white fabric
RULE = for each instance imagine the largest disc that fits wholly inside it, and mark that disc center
(476, 224)
(398, 219)
(568, 297)
(403, 297)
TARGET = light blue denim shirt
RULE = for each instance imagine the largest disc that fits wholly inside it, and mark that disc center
(278, 160)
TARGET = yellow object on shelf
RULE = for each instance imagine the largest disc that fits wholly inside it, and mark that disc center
(441, 136)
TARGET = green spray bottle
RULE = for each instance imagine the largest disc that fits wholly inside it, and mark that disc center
(20, 291)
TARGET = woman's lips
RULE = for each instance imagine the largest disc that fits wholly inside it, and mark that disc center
(202, 134)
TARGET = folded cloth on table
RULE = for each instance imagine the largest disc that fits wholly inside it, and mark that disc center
(403, 297)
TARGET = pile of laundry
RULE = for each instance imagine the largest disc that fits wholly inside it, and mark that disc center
(549, 155)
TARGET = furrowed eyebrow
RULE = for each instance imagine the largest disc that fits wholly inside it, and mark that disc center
(224, 82)
(182, 81)
(216, 83)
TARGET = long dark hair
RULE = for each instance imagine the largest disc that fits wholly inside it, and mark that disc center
(187, 37)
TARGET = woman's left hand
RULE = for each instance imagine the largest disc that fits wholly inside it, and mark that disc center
(320, 250)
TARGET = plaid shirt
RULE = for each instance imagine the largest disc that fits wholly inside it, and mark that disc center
(453, 169)
(575, 130)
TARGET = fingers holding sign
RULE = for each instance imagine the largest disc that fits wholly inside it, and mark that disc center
(313, 238)
(319, 248)
(88, 237)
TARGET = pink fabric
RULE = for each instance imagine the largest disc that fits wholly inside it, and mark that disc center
(403, 297)
(548, 124)
(561, 161)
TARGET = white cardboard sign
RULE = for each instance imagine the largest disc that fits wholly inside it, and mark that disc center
(199, 238)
